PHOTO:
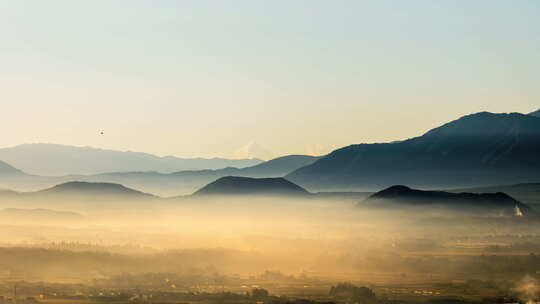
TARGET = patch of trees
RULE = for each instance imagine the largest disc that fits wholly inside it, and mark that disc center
(259, 293)
(353, 294)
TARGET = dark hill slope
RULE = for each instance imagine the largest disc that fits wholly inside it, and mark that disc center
(528, 193)
(477, 149)
(535, 113)
(403, 197)
(234, 185)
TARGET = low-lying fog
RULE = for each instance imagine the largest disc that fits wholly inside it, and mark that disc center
(331, 238)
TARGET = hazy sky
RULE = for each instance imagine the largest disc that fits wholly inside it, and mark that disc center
(204, 78)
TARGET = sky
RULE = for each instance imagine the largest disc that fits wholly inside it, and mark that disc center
(214, 78)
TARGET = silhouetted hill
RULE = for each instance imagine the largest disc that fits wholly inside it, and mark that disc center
(528, 193)
(477, 149)
(82, 197)
(57, 160)
(402, 196)
(90, 190)
(235, 185)
(8, 170)
(535, 113)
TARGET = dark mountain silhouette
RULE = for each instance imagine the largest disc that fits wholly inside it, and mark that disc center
(92, 190)
(528, 193)
(402, 196)
(235, 185)
(477, 149)
(8, 170)
(535, 113)
(58, 160)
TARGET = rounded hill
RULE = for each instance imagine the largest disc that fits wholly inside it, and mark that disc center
(235, 185)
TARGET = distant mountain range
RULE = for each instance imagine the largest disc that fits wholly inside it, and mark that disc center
(535, 113)
(478, 149)
(278, 167)
(182, 182)
(475, 150)
(234, 185)
(59, 160)
(403, 197)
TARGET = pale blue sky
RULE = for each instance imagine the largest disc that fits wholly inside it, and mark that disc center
(203, 78)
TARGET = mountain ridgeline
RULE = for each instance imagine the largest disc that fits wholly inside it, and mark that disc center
(482, 203)
(8, 170)
(58, 160)
(277, 167)
(171, 184)
(186, 182)
(477, 149)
